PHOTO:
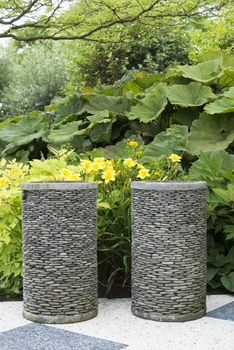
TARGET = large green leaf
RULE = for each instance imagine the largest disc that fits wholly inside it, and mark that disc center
(227, 195)
(107, 90)
(222, 105)
(227, 79)
(214, 167)
(101, 133)
(68, 106)
(211, 272)
(8, 121)
(118, 105)
(66, 132)
(186, 116)
(191, 95)
(151, 106)
(101, 127)
(211, 133)
(228, 281)
(25, 131)
(204, 72)
(137, 81)
(172, 140)
(229, 230)
(229, 93)
(99, 117)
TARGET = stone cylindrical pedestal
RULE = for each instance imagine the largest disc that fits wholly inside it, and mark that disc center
(169, 250)
(59, 251)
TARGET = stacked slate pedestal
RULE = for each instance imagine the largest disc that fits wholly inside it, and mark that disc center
(169, 250)
(59, 251)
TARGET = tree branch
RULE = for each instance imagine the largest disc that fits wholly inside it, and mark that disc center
(22, 14)
(54, 28)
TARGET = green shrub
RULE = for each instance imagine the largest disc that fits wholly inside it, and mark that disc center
(4, 73)
(114, 231)
(218, 170)
(106, 63)
(213, 36)
(188, 109)
(114, 234)
(200, 97)
(35, 76)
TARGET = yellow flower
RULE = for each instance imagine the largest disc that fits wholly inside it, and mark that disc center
(175, 158)
(96, 166)
(74, 177)
(3, 181)
(99, 160)
(110, 163)
(13, 172)
(129, 162)
(108, 175)
(87, 165)
(99, 163)
(143, 173)
(66, 172)
(133, 143)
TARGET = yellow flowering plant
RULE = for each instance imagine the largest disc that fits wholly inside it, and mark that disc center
(11, 176)
(113, 177)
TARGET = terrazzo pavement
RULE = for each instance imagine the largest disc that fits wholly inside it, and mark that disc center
(117, 328)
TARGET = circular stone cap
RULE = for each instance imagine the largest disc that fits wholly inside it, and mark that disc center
(169, 186)
(59, 185)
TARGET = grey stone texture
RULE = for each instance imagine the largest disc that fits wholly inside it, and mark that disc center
(59, 252)
(169, 250)
(41, 337)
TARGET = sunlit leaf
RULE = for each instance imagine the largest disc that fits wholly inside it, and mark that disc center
(172, 140)
(151, 106)
(25, 131)
(222, 105)
(204, 72)
(118, 105)
(66, 132)
(191, 95)
(211, 133)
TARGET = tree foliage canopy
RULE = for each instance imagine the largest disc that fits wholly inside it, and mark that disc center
(30, 20)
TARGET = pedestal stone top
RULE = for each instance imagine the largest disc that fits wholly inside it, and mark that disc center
(58, 185)
(169, 185)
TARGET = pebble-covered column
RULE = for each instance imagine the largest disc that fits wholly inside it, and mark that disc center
(59, 251)
(169, 250)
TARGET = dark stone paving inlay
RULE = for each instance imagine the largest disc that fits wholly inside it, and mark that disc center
(40, 337)
(225, 312)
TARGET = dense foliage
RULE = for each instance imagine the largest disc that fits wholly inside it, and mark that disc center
(199, 97)
(114, 234)
(187, 111)
(218, 170)
(29, 21)
(213, 37)
(104, 63)
(30, 77)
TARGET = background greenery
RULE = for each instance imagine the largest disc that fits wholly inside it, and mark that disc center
(165, 80)
(30, 77)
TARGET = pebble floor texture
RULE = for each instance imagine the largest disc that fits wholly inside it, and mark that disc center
(116, 328)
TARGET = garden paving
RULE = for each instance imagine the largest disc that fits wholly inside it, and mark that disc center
(116, 328)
